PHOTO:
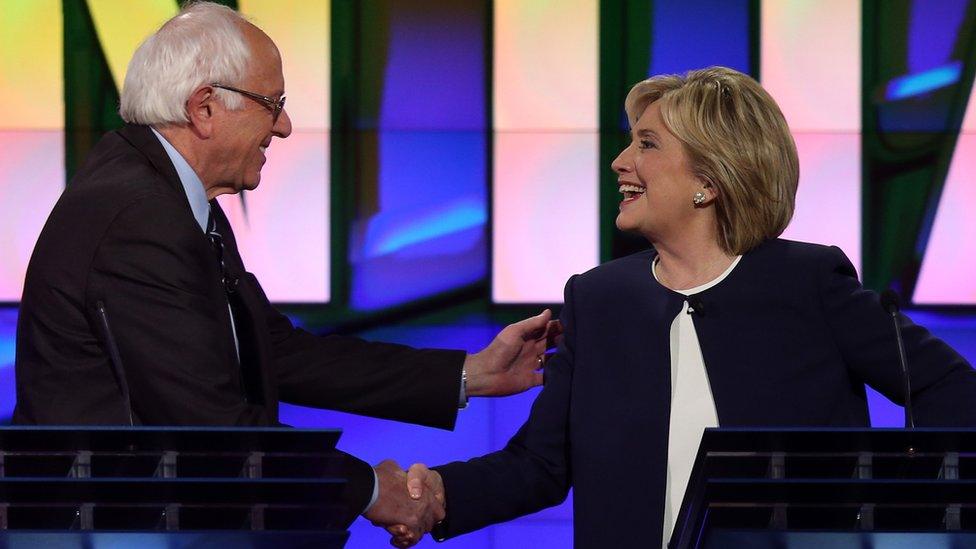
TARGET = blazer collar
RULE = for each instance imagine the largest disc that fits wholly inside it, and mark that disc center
(142, 138)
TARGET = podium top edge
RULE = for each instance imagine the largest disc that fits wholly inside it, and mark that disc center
(832, 430)
(157, 429)
(845, 439)
(181, 439)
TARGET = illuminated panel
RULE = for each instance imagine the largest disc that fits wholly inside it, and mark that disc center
(828, 201)
(8, 340)
(301, 30)
(31, 90)
(545, 217)
(421, 183)
(284, 238)
(121, 28)
(31, 131)
(693, 34)
(946, 275)
(545, 65)
(545, 148)
(816, 81)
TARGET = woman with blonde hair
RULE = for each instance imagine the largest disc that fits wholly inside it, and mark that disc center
(721, 323)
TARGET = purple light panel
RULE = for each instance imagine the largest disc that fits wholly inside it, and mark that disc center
(421, 231)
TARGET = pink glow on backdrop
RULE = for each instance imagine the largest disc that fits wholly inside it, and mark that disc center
(811, 62)
(811, 65)
(949, 265)
(31, 180)
(828, 201)
(285, 239)
(545, 64)
(545, 191)
(545, 215)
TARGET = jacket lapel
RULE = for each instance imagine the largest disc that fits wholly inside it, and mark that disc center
(143, 139)
(255, 347)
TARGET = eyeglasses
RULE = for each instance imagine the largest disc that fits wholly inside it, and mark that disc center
(270, 103)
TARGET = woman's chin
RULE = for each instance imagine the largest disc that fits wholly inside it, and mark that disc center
(625, 225)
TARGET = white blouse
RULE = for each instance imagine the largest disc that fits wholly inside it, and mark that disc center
(692, 405)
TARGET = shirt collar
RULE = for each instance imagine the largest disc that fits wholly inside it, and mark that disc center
(192, 185)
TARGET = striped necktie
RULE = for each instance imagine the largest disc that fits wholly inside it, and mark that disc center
(217, 242)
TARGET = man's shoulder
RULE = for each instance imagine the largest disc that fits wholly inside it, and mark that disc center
(117, 168)
(118, 183)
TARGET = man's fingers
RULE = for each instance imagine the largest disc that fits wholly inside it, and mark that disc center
(416, 476)
(537, 379)
(439, 515)
(403, 541)
(534, 327)
(554, 333)
(388, 465)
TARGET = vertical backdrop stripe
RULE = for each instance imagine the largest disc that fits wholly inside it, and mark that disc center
(545, 174)
(32, 132)
(819, 90)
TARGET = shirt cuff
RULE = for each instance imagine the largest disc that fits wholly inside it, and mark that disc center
(462, 392)
(376, 493)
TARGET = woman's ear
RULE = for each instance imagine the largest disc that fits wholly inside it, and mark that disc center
(708, 188)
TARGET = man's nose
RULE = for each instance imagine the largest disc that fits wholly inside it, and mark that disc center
(282, 126)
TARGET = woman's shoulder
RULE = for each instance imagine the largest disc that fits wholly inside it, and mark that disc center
(634, 265)
(781, 248)
(791, 255)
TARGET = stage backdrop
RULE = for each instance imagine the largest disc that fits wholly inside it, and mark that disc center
(450, 162)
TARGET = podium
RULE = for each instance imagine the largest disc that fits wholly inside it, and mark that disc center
(172, 487)
(827, 488)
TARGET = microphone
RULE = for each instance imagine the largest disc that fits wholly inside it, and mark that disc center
(695, 306)
(889, 300)
(115, 358)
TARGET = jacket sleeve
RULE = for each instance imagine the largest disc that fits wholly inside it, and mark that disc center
(532, 472)
(153, 273)
(381, 380)
(943, 384)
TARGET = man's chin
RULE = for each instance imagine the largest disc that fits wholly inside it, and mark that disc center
(252, 184)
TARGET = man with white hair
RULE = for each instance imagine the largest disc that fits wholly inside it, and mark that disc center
(137, 308)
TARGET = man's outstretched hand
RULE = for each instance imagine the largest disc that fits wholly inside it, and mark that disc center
(412, 515)
(421, 483)
(511, 363)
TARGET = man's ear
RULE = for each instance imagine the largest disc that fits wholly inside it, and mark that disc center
(200, 111)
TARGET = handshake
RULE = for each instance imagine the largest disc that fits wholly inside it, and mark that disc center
(410, 503)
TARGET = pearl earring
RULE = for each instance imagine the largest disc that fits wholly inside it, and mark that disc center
(699, 198)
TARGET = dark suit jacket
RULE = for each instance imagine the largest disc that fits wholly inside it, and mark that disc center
(123, 234)
(789, 338)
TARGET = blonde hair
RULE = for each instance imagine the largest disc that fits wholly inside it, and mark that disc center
(737, 140)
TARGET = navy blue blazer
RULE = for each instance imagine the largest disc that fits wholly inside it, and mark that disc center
(789, 338)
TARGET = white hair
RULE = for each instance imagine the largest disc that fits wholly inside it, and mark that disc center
(203, 44)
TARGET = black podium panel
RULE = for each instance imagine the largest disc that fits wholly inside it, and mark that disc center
(172, 487)
(825, 488)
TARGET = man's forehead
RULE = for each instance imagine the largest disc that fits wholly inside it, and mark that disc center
(265, 59)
